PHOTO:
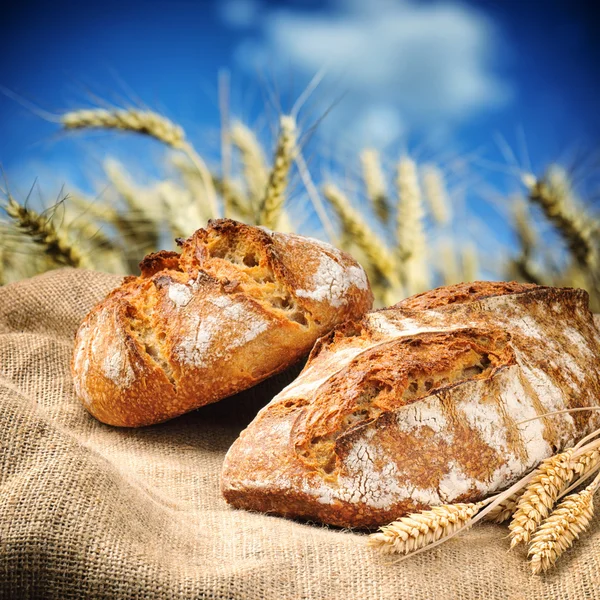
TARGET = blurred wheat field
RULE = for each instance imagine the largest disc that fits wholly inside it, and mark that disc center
(398, 224)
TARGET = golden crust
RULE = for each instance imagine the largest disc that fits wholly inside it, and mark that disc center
(238, 305)
(420, 404)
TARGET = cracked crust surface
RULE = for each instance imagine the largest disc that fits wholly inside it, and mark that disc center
(420, 404)
(239, 304)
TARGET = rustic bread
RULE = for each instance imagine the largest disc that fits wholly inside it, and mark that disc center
(239, 304)
(420, 404)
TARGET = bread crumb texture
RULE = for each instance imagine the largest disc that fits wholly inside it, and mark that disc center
(421, 404)
(239, 304)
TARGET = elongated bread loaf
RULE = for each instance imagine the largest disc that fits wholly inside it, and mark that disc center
(239, 304)
(420, 404)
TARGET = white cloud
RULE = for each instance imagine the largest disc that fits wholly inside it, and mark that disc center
(400, 64)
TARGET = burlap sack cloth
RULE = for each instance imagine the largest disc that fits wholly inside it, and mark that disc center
(88, 510)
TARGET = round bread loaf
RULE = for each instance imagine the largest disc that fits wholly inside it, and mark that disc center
(239, 304)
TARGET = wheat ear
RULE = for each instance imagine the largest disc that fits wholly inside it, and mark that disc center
(2, 261)
(256, 173)
(560, 530)
(419, 530)
(274, 195)
(237, 202)
(552, 194)
(434, 189)
(412, 245)
(470, 263)
(128, 224)
(91, 232)
(147, 123)
(40, 229)
(140, 203)
(182, 213)
(527, 238)
(380, 259)
(587, 462)
(448, 263)
(375, 183)
(505, 509)
(549, 480)
(582, 466)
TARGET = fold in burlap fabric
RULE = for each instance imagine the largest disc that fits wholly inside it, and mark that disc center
(88, 510)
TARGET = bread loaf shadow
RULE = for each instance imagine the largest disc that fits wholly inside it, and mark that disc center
(237, 411)
(212, 428)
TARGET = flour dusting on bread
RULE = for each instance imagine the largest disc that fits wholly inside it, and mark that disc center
(116, 366)
(231, 326)
(332, 281)
(180, 294)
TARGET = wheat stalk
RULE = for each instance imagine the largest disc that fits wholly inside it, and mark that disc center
(147, 123)
(560, 530)
(552, 194)
(419, 530)
(434, 189)
(256, 173)
(274, 196)
(40, 229)
(550, 479)
(375, 183)
(412, 245)
(380, 259)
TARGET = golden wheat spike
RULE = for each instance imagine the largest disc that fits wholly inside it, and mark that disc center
(129, 224)
(238, 203)
(274, 196)
(522, 266)
(90, 232)
(362, 235)
(560, 530)
(141, 121)
(448, 264)
(2, 262)
(256, 172)
(136, 199)
(193, 182)
(470, 262)
(182, 213)
(412, 244)
(436, 194)
(419, 530)
(551, 477)
(505, 510)
(553, 194)
(54, 242)
(147, 123)
(375, 183)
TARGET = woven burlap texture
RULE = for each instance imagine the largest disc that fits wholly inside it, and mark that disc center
(92, 511)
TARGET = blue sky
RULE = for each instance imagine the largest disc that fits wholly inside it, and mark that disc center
(436, 78)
